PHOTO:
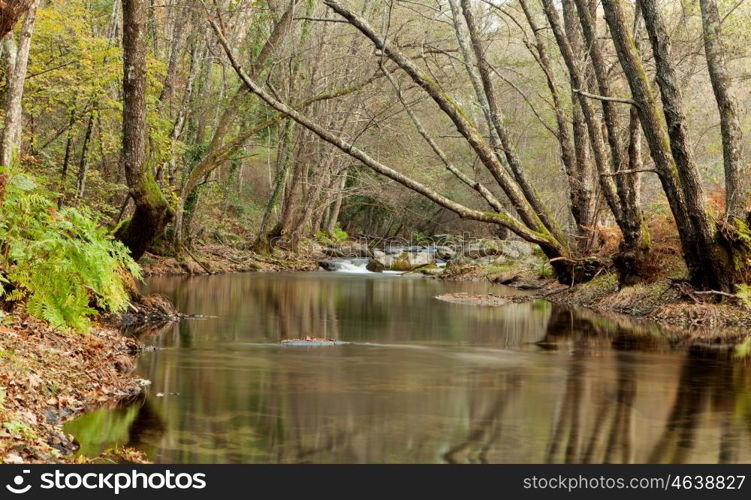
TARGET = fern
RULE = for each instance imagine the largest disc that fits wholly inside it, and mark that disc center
(65, 264)
(743, 292)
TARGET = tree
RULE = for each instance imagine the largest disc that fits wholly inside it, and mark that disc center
(709, 260)
(152, 212)
(11, 11)
(737, 183)
(619, 185)
(529, 226)
(18, 59)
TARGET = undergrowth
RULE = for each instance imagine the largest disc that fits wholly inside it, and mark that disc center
(63, 264)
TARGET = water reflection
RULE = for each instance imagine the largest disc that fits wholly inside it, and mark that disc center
(423, 381)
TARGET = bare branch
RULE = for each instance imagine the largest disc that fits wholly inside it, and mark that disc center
(604, 98)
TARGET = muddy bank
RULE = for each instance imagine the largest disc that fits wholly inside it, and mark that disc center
(48, 377)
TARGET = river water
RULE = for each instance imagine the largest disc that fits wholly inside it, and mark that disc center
(420, 380)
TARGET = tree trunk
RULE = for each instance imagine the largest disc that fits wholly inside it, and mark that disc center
(83, 165)
(152, 213)
(737, 182)
(578, 170)
(11, 138)
(497, 118)
(337, 206)
(283, 161)
(635, 244)
(708, 266)
(594, 128)
(11, 11)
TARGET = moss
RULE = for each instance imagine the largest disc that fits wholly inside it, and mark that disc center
(401, 263)
(604, 282)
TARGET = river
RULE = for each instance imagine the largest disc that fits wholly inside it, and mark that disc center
(419, 380)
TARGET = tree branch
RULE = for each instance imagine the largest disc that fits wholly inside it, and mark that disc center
(604, 98)
(502, 219)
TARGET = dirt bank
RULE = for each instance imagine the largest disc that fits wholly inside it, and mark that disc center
(48, 377)
(218, 259)
(669, 302)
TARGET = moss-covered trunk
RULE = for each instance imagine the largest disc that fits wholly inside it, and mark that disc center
(152, 211)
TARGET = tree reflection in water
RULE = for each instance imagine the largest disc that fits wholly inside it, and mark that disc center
(423, 381)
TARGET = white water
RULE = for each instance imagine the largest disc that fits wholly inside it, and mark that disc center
(357, 266)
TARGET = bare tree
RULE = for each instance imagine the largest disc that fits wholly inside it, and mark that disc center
(709, 261)
(737, 183)
(552, 247)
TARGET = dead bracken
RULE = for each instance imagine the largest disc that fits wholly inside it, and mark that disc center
(48, 377)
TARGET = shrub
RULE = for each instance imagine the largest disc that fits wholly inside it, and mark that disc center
(63, 263)
(339, 235)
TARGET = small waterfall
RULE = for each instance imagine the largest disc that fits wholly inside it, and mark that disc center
(346, 265)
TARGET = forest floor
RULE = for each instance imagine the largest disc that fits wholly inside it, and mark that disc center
(49, 376)
(219, 259)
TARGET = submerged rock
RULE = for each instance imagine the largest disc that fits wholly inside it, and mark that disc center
(328, 265)
(311, 342)
(480, 299)
(375, 266)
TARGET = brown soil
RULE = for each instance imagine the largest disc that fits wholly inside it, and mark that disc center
(218, 259)
(48, 377)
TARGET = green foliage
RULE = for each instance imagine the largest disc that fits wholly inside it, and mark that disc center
(743, 292)
(546, 270)
(742, 350)
(339, 235)
(19, 428)
(64, 264)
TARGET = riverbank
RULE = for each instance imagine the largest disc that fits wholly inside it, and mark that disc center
(668, 302)
(48, 377)
(220, 259)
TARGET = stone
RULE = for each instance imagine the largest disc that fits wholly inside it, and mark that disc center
(375, 266)
(328, 265)
(445, 253)
(404, 260)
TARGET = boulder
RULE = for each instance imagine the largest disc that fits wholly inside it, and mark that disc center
(403, 260)
(511, 249)
(375, 266)
(482, 248)
(328, 265)
(445, 253)
(515, 249)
